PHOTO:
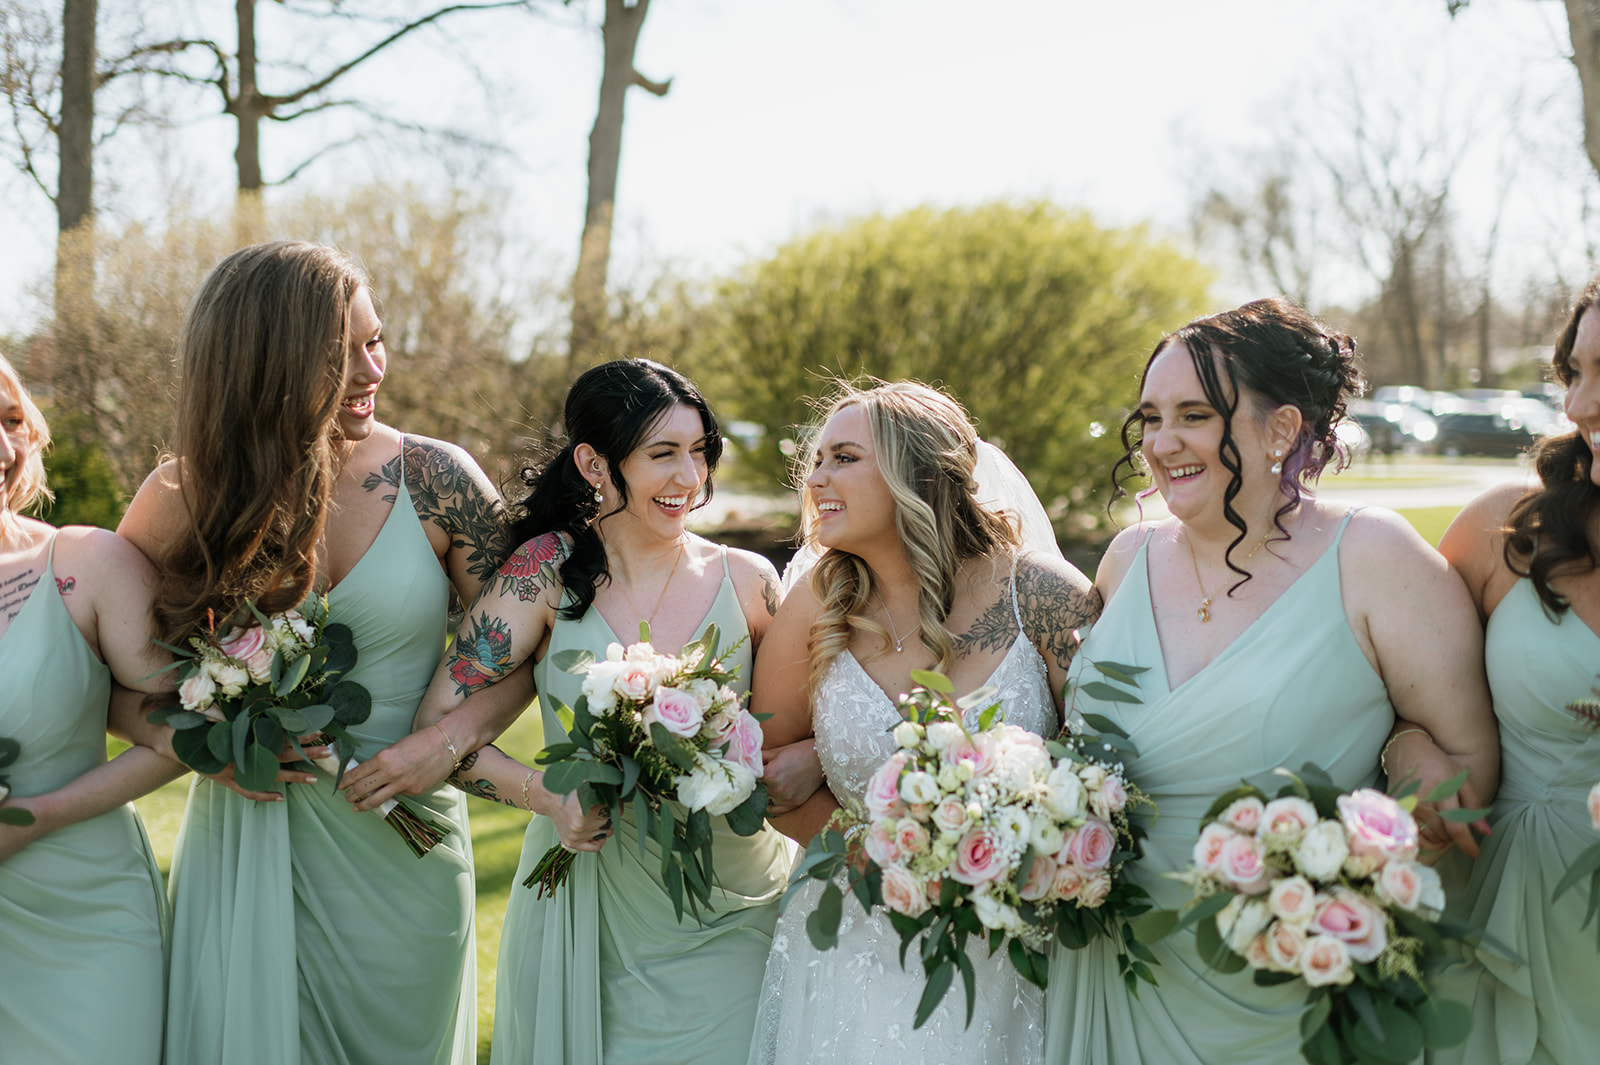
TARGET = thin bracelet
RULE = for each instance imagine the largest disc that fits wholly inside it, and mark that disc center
(525, 782)
(455, 755)
(1383, 756)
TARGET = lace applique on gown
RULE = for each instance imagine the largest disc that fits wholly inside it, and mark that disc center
(855, 1003)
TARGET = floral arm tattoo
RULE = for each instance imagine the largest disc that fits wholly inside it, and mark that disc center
(481, 654)
(995, 629)
(1054, 608)
(448, 494)
(463, 780)
(769, 590)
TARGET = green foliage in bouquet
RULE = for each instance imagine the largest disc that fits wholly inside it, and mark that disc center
(1587, 864)
(614, 760)
(302, 690)
(11, 815)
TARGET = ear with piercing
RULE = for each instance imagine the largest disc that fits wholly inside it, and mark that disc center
(598, 498)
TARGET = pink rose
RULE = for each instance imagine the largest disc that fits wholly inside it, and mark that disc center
(634, 681)
(950, 815)
(679, 713)
(744, 745)
(978, 859)
(902, 893)
(1594, 806)
(1325, 960)
(1286, 819)
(910, 837)
(1208, 848)
(719, 728)
(1293, 899)
(1095, 889)
(1068, 883)
(1244, 866)
(1090, 847)
(976, 751)
(881, 846)
(883, 790)
(240, 644)
(935, 889)
(197, 692)
(1378, 826)
(1355, 922)
(1041, 878)
(1258, 954)
(1244, 814)
(1400, 884)
(1113, 796)
(1285, 942)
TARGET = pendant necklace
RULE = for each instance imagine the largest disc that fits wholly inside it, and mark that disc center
(1204, 610)
(899, 641)
(674, 572)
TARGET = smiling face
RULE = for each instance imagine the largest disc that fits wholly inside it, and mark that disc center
(855, 509)
(366, 363)
(1582, 378)
(16, 442)
(1182, 440)
(664, 474)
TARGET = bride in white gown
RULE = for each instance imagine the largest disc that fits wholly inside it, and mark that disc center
(911, 571)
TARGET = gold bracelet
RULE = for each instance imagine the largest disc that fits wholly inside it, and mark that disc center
(525, 782)
(455, 755)
(1383, 756)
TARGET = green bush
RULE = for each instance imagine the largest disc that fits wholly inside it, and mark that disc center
(85, 485)
(1034, 317)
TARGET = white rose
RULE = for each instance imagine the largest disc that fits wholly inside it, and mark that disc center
(1322, 850)
(1293, 899)
(637, 652)
(197, 692)
(1325, 960)
(950, 815)
(1241, 920)
(994, 913)
(1092, 775)
(716, 787)
(704, 691)
(1013, 825)
(614, 652)
(949, 777)
(597, 686)
(231, 678)
(942, 734)
(1048, 835)
(919, 789)
(907, 733)
(1066, 797)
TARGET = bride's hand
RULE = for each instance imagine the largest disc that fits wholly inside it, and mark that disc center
(792, 774)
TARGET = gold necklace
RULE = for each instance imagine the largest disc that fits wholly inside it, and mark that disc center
(899, 641)
(674, 572)
(1204, 610)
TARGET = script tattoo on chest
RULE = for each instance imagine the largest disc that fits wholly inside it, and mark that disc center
(14, 591)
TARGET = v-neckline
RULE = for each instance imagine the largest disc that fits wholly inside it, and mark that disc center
(988, 681)
(694, 632)
(404, 494)
(1155, 630)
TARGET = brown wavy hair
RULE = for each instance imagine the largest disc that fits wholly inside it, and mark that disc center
(927, 450)
(1547, 532)
(30, 486)
(261, 357)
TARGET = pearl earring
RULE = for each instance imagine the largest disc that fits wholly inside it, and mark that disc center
(598, 498)
(1277, 467)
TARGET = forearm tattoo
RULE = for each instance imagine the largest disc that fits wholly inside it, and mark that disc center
(481, 654)
(463, 780)
(453, 499)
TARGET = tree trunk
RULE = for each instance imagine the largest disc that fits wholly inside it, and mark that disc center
(74, 375)
(246, 104)
(1583, 24)
(621, 38)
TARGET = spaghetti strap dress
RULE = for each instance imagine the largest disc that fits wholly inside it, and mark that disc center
(81, 910)
(1542, 1011)
(604, 971)
(1295, 687)
(305, 933)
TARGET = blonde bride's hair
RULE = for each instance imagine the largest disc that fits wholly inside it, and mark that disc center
(927, 450)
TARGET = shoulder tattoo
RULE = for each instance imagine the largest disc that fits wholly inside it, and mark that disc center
(994, 630)
(532, 568)
(451, 497)
(1054, 608)
(770, 593)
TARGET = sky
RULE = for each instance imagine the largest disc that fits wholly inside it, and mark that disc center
(787, 114)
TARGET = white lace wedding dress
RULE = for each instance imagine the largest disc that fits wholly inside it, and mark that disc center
(855, 1003)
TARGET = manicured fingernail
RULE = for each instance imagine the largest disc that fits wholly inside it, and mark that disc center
(308, 779)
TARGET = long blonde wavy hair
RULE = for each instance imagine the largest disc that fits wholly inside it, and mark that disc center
(30, 486)
(927, 450)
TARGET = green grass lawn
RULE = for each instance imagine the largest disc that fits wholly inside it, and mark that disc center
(1431, 522)
(496, 846)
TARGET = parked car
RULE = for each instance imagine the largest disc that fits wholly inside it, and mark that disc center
(1395, 426)
(1483, 430)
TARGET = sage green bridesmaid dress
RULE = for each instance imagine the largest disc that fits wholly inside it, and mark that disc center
(1542, 1011)
(1295, 687)
(82, 971)
(305, 932)
(604, 971)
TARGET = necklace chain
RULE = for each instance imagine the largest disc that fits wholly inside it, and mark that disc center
(623, 588)
(899, 641)
(1203, 612)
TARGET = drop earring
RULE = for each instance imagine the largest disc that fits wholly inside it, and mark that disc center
(1277, 467)
(598, 498)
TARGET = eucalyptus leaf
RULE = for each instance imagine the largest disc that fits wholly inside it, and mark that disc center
(293, 673)
(16, 815)
(935, 682)
(1099, 689)
(572, 660)
(939, 978)
(1446, 789)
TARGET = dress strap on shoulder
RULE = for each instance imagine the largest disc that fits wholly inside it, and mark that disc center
(726, 573)
(402, 459)
(1348, 514)
(50, 553)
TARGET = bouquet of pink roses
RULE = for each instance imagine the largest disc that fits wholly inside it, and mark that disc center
(654, 730)
(1324, 887)
(994, 831)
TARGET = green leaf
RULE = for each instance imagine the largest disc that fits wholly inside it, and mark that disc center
(219, 741)
(562, 777)
(630, 775)
(556, 752)
(934, 682)
(181, 719)
(822, 926)
(1446, 789)
(1103, 725)
(1586, 864)
(342, 654)
(939, 978)
(1465, 816)
(1099, 689)
(572, 660)
(293, 674)
(258, 769)
(16, 815)
(1212, 950)
(986, 719)
(1121, 670)
(672, 748)
(1155, 925)
(747, 818)
(318, 716)
(351, 702)
(1445, 1023)
(293, 721)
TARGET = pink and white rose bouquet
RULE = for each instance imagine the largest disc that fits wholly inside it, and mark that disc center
(992, 831)
(658, 731)
(1326, 888)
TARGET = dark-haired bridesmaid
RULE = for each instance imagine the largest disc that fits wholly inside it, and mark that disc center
(1528, 556)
